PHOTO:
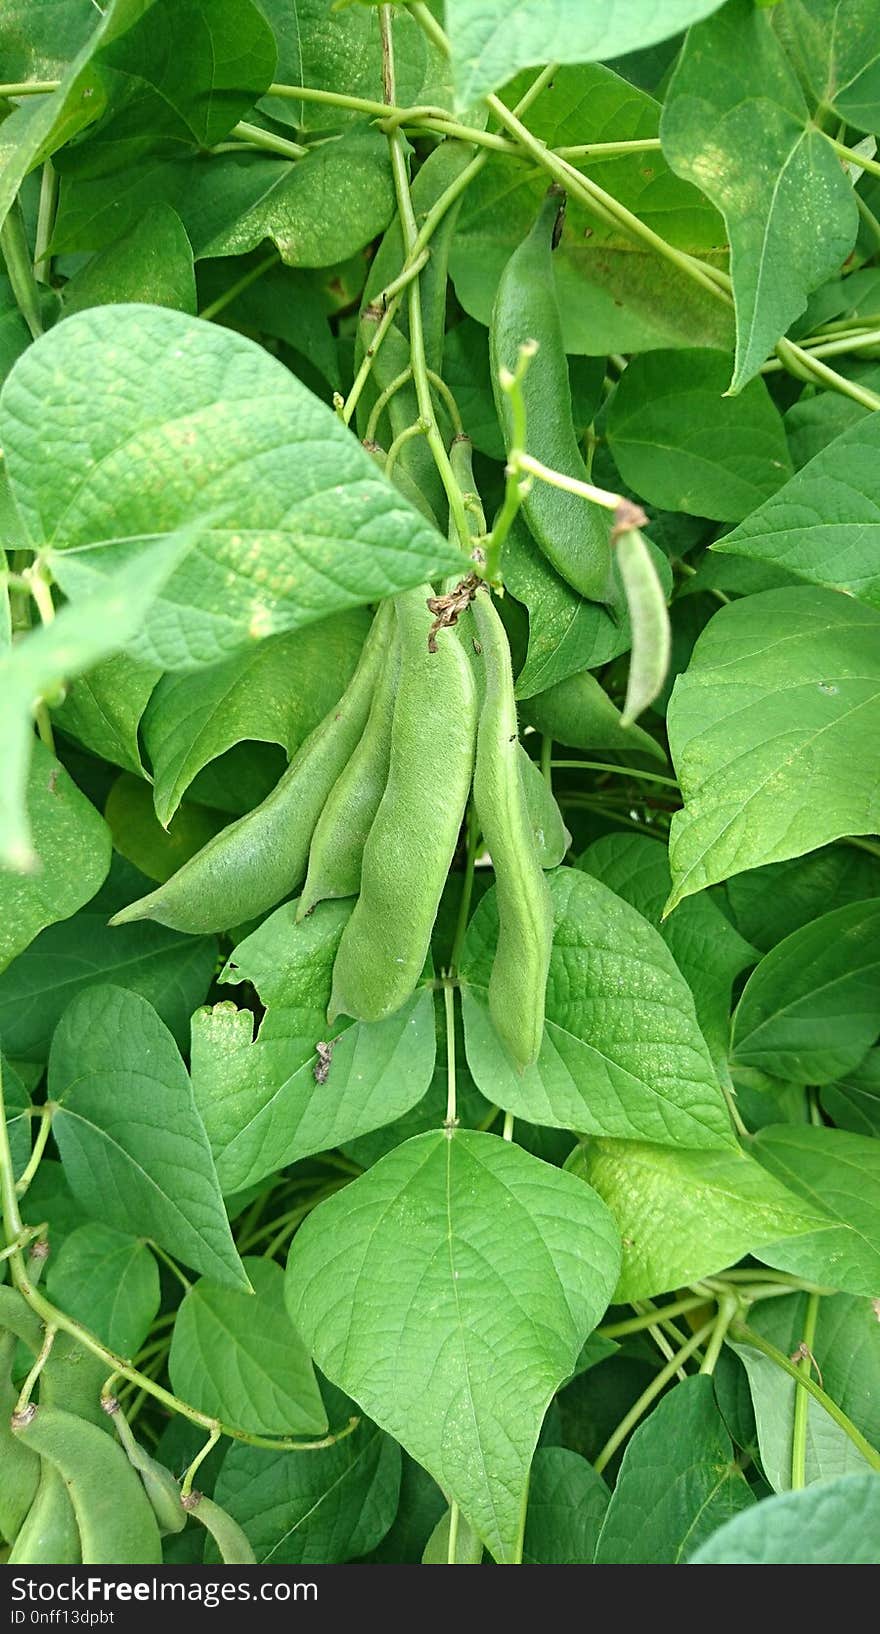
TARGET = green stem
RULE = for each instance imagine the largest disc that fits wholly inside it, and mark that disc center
(410, 233)
(515, 489)
(802, 1400)
(452, 1546)
(429, 24)
(620, 771)
(748, 1336)
(383, 400)
(872, 166)
(808, 366)
(557, 479)
(30, 87)
(244, 282)
(449, 1014)
(861, 844)
(635, 1324)
(41, 1360)
(39, 1148)
(854, 342)
(868, 217)
(13, 1226)
(740, 1127)
(201, 1455)
(547, 762)
(654, 1389)
(172, 1265)
(728, 1307)
(259, 138)
(507, 1126)
(417, 429)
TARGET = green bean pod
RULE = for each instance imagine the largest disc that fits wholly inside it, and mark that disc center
(19, 1465)
(551, 836)
(337, 849)
(518, 981)
(116, 1523)
(412, 841)
(235, 1550)
(250, 866)
(49, 1535)
(649, 621)
(573, 533)
(159, 1483)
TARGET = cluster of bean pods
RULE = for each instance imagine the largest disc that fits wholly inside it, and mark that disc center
(72, 1491)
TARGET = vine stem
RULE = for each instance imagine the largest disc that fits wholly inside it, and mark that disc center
(33, 1163)
(620, 771)
(410, 232)
(801, 1398)
(658, 1384)
(259, 138)
(728, 1306)
(449, 1013)
(201, 1455)
(749, 1336)
(244, 282)
(636, 1324)
(452, 1545)
(14, 1233)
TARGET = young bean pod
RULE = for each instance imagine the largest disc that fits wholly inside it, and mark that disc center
(159, 1484)
(573, 533)
(551, 836)
(518, 980)
(20, 1466)
(337, 848)
(250, 866)
(235, 1550)
(649, 621)
(412, 841)
(116, 1523)
(49, 1535)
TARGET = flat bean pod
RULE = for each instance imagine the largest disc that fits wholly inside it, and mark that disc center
(20, 1466)
(234, 1547)
(337, 849)
(573, 533)
(649, 620)
(412, 841)
(518, 981)
(116, 1523)
(250, 866)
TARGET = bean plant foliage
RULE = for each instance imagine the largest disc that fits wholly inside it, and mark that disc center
(440, 743)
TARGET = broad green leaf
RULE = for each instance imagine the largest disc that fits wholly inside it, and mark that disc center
(829, 1452)
(41, 124)
(839, 1173)
(686, 1215)
(39, 37)
(677, 1484)
(836, 1523)
(566, 633)
(156, 852)
(837, 45)
(736, 123)
(18, 1113)
(811, 1009)
(318, 1508)
(342, 52)
(295, 521)
(109, 1281)
(770, 903)
(768, 729)
(183, 71)
(171, 971)
(238, 1357)
(622, 1052)
(854, 1101)
(153, 262)
(680, 443)
(846, 1347)
(317, 210)
(268, 1101)
(615, 293)
(275, 692)
(567, 1504)
(440, 1289)
(824, 525)
(78, 637)
(131, 1141)
(579, 712)
(103, 710)
(70, 847)
(706, 948)
(490, 42)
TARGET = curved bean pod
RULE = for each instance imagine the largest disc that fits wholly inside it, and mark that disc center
(573, 533)
(412, 841)
(518, 981)
(49, 1535)
(250, 866)
(116, 1523)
